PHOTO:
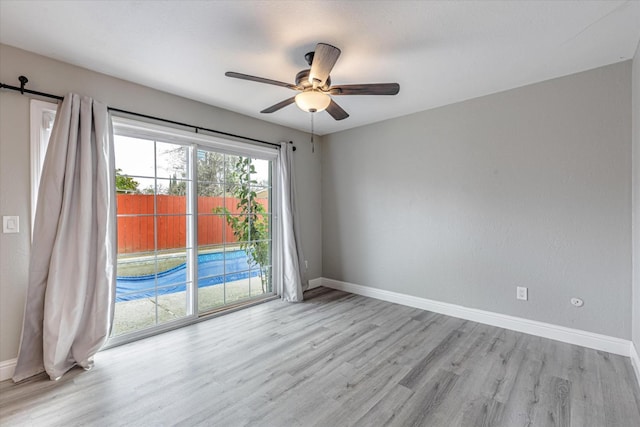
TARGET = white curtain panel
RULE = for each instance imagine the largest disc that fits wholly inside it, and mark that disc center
(71, 292)
(294, 281)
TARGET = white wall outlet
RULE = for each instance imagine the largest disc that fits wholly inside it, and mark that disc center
(522, 293)
(577, 302)
(306, 264)
(10, 224)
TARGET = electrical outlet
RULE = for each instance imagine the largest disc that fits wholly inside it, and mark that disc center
(306, 264)
(522, 293)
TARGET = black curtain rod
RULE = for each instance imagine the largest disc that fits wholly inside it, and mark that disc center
(23, 90)
(197, 128)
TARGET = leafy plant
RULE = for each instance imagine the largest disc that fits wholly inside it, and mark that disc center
(250, 226)
(125, 184)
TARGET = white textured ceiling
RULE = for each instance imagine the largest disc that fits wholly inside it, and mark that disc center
(439, 52)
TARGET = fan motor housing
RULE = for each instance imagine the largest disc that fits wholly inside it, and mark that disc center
(302, 80)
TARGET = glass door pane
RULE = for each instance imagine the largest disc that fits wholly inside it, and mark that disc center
(154, 277)
(234, 229)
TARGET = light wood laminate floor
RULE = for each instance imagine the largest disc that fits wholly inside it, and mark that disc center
(335, 360)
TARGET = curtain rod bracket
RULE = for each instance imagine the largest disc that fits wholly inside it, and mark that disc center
(23, 81)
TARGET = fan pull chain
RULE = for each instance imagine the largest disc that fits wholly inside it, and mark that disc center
(313, 148)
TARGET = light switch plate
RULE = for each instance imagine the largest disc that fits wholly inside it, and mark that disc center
(10, 224)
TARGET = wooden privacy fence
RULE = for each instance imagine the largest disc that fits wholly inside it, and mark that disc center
(135, 221)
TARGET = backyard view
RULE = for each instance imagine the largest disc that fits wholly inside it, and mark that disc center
(184, 219)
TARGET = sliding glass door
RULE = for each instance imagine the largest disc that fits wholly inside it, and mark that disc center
(191, 210)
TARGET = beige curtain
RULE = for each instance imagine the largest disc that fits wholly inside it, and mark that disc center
(294, 282)
(70, 297)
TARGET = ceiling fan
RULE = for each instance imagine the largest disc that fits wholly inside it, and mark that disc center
(315, 87)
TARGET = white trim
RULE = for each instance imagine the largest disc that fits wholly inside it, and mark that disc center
(315, 283)
(41, 121)
(532, 327)
(635, 361)
(7, 367)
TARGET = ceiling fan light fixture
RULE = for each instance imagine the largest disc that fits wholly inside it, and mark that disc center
(312, 101)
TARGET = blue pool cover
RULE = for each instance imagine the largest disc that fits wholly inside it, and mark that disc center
(213, 269)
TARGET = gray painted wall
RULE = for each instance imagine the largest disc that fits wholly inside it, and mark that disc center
(55, 77)
(461, 204)
(636, 199)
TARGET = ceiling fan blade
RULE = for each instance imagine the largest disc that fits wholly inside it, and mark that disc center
(279, 105)
(260, 80)
(336, 111)
(324, 58)
(366, 89)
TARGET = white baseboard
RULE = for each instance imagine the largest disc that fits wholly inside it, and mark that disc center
(635, 361)
(533, 327)
(6, 369)
(315, 283)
